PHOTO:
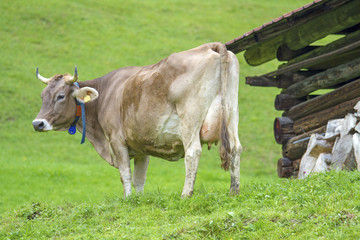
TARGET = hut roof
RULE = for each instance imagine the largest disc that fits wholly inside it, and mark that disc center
(277, 29)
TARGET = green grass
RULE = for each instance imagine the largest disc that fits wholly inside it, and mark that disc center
(79, 194)
(325, 206)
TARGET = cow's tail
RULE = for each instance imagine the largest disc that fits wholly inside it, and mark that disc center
(225, 149)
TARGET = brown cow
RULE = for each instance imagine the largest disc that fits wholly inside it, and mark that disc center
(167, 110)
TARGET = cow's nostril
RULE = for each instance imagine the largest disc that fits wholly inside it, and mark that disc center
(39, 125)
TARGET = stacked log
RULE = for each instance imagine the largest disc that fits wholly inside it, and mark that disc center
(308, 68)
(306, 113)
(287, 168)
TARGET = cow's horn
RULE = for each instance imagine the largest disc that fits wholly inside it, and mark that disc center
(73, 78)
(43, 79)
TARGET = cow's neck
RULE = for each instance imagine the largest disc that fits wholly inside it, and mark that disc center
(94, 131)
(94, 134)
(90, 110)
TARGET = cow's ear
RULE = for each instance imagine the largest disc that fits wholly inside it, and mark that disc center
(86, 94)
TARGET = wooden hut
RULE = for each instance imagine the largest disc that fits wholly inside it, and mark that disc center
(305, 68)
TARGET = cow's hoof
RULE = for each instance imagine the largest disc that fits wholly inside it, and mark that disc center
(234, 191)
(186, 195)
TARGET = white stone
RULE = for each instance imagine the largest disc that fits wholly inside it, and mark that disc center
(356, 146)
(323, 162)
(357, 107)
(316, 146)
(333, 127)
(343, 154)
(348, 124)
(357, 127)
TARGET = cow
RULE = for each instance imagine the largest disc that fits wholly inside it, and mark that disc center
(167, 110)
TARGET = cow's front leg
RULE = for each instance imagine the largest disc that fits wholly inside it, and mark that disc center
(121, 159)
(139, 176)
(192, 157)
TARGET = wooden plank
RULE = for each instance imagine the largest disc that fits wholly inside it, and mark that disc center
(296, 146)
(320, 118)
(283, 129)
(349, 30)
(262, 81)
(336, 60)
(282, 81)
(315, 60)
(289, 78)
(296, 164)
(342, 94)
(285, 168)
(285, 102)
(284, 53)
(302, 35)
(340, 43)
(278, 27)
(325, 79)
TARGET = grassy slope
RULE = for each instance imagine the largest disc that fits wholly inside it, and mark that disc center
(100, 36)
(320, 207)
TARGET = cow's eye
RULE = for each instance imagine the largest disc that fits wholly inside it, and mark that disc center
(60, 97)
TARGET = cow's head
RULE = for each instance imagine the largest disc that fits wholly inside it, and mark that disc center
(58, 110)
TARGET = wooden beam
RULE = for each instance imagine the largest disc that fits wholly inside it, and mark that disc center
(282, 81)
(283, 129)
(284, 53)
(284, 168)
(296, 164)
(340, 43)
(289, 78)
(350, 30)
(287, 168)
(262, 81)
(342, 94)
(325, 79)
(296, 146)
(279, 26)
(315, 60)
(285, 102)
(320, 118)
(302, 35)
(334, 61)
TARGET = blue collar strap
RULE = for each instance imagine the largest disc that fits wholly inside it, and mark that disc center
(80, 107)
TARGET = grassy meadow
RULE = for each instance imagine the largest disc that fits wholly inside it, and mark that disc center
(53, 187)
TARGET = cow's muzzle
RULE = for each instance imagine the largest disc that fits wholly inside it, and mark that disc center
(41, 125)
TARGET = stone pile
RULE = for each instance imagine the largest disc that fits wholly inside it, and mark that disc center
(337, 149)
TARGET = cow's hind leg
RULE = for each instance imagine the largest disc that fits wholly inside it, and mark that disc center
(235, 167)
(192, 157)
(139, 176)
(233, 156)
(230, 100)
(190, 125)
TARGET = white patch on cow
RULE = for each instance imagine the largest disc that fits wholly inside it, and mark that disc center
(47, 125)
(171, 125)
(168, 129)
